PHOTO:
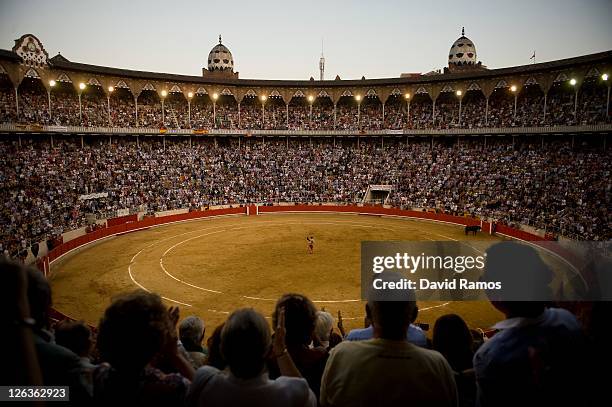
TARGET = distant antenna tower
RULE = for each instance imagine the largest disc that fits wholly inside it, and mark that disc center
(322, 63)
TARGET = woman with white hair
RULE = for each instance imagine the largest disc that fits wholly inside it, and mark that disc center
(324, 335)
(246, 344)
(323, 328)
(191, 334)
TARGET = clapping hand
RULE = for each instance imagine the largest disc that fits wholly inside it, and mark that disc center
(340, 324)
(174, 314)
(279, 346)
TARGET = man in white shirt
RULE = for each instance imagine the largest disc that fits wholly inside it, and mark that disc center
(387, 370)
(414, 334)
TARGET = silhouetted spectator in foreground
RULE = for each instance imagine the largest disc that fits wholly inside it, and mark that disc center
(453, 339)
(135, 330)
(537, 357)
(59, 366)
(19, 356)
(246, 344)
(213, 343)
(300, 320)
(76, 336)
(388, 370)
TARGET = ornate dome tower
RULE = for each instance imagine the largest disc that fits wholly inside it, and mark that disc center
(462, 55)
(463, 51)
(220, 61)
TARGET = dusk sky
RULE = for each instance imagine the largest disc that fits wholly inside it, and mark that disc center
(282, 39)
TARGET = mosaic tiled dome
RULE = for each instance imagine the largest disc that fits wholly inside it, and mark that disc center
(220, 58)
(463, 51)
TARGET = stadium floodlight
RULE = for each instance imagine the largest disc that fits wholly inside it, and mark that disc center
(190, 95)
(513, 88)
(263, 98)
(407, 95)
(358, 97)
(81, 86)
(573, 82)
(164, 93)
(604, 77)
(52, 83)
(111, 89)
(310, 98)
(459, 93)
(215, 96)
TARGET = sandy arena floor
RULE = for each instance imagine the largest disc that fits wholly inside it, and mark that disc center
(211, 267)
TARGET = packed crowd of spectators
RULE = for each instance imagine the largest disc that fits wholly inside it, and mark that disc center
(549, 186)
(140, 354)
(200, 112)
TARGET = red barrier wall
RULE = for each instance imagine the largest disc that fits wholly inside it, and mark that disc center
(122, 219)
(373, 210)
(136, 225)
(519, 234)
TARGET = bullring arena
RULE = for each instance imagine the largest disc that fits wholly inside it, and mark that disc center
(400, 138)
(497, 141)
(227, 260)
(192, 214)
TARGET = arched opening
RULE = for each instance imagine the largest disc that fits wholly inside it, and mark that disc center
(226, 112)
(201, 111)
(473, 106)
(94, 106)
(276, 118)
(33, 102)
(251, 112)
(420, 116)
(346, 113)
(322, 113)
(8, 110)
(298, 113)
(64, 105)
(447, 110)
(592, 101)
(149, 109)
(501, 107)
(176, 111)
(395, 112)
(560, 103)
(122, 108)
(530, 106)
(371, 113)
